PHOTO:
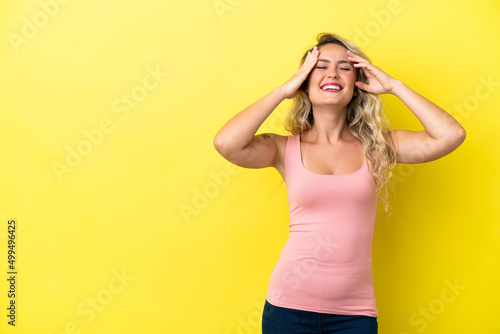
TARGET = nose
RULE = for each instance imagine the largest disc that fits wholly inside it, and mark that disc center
(333, 73)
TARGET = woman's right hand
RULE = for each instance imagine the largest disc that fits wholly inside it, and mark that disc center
(291, 87)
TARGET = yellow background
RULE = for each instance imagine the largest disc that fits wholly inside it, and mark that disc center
(193, 238)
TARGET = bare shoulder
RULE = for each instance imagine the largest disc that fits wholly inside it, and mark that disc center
(280, 143)
(279, 140)
(389, 137)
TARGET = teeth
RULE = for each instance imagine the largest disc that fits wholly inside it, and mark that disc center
(331, 87)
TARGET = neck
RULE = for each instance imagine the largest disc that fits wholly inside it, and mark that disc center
(330, 125)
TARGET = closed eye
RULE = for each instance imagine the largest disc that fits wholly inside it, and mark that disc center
(343, 69)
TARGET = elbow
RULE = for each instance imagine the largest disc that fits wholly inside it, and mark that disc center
(464, 134)
(456, 135)
(460, 133)
(456, 139)
(461, 136)
(220, 144)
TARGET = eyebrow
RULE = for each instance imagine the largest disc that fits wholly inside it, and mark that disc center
(339, 62)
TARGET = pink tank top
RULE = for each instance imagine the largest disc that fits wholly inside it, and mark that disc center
(326, 263)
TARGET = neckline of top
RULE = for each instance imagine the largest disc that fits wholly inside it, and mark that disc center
(314, 173)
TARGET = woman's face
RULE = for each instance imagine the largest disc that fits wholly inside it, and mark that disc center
(331, 81)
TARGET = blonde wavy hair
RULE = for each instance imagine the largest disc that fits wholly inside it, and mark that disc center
(365, 118)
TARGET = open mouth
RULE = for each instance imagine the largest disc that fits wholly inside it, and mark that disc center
(331, 87)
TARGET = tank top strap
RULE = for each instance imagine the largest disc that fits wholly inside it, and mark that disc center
(292, 156)
(295, 167)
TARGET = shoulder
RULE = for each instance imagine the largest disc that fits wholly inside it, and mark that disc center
(279, 140)
(282, 141)
(389, 137)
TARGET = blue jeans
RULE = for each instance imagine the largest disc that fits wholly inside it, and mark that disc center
(280, 320)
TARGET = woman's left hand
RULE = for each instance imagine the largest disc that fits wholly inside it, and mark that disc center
(379, 82)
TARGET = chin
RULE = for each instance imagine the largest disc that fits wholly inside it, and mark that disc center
(330, 103)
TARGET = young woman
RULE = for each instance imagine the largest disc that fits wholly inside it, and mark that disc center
(335, 163)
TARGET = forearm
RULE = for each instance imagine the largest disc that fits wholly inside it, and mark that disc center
(437, 122)
(238, 132)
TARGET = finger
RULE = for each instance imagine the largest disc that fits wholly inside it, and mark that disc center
(360, 60)
(353, 55)
(307, 65)
(360, 84)
(350, 54)
(356, 60)
(311, 58)
(310, 55)
(314, 53)
(367, 67)
(364, 67)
